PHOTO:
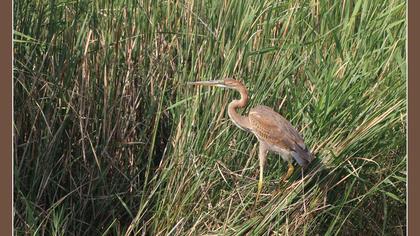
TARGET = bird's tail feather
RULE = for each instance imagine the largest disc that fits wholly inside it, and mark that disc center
(303, 157)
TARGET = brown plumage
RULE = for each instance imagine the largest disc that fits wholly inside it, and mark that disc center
(277, 132)
(272, 130)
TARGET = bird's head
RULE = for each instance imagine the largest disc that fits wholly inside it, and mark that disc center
(224, 83)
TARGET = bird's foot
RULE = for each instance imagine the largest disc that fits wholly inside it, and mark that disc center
(289, 172)
(257, 198)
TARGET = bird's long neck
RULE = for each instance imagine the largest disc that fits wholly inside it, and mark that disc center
(239, 120)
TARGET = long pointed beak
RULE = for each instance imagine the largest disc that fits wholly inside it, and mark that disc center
(219, 83)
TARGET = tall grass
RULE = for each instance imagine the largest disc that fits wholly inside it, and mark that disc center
(109, 140)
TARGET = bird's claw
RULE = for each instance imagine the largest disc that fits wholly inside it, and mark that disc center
(289, 172)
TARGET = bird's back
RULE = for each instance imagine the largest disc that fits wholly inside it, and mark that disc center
(272, 128)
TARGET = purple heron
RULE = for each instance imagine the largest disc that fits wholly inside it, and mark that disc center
(272, 130)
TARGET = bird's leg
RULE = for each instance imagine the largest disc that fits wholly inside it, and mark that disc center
(262, 155)
(290, 170)
(260, 181)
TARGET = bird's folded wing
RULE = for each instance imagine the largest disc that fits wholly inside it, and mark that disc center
(276, 130)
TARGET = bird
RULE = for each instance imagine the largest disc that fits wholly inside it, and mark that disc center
(273, 131)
